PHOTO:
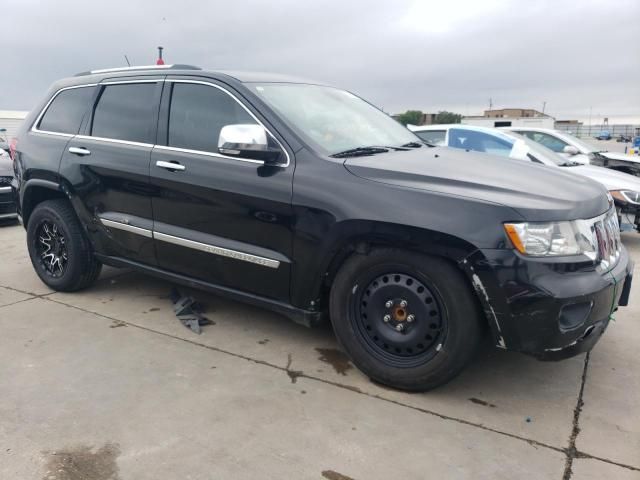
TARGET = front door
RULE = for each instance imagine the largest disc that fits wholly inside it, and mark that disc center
(220, 219)
(108, 167)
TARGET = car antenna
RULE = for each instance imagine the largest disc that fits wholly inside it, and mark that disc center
(127, 59)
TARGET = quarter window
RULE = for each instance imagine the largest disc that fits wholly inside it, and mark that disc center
(125, 112)
(65, 112)
(198, 113)
(433, 137)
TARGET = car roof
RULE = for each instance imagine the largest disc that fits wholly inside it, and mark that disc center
(95, 76)
(532, 129)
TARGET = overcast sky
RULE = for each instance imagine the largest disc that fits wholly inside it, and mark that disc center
(427, 55)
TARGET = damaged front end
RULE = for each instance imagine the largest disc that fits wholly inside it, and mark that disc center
(551, 309)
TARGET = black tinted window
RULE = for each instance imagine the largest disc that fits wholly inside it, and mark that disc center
(125, 112)
(197, 114)
(65, 113)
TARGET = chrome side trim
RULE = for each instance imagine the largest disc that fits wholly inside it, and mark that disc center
(34, 126)
(5, 189)
(8, 215)
(183, 242)
(223, 252)
(55, 134)
(127, 228)
(122, 82)
(200, 82)
(114, 140)
(208, 154)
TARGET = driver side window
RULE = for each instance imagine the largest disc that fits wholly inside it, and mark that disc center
(198, 113)
(547, 140)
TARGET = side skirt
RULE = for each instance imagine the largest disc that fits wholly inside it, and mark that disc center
(298, 315)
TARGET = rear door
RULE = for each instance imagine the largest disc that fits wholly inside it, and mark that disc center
(220, 219)
(108, 166)
(58, 122)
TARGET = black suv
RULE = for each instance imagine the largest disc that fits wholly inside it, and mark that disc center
(307, 200)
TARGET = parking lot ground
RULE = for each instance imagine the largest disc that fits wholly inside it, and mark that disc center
(106, 383)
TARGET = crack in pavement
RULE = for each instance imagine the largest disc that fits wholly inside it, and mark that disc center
(25, 292)
(575, 430)
(571, 452)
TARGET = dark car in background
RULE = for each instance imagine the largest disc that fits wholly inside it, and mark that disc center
(307, 200)
(7, 203)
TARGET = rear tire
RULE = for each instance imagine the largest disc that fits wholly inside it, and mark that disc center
(60, 251)
(406, 320)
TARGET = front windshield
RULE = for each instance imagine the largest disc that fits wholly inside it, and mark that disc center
(332, 120)
(583, 146)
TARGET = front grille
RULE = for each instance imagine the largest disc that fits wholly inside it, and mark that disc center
(5, 181)
(607, 235)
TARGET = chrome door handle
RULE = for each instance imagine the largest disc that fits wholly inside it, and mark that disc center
(79, 151)
(170, 165)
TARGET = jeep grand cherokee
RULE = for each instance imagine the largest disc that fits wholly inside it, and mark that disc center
(305, 199)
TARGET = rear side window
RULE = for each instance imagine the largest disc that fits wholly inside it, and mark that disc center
(479, 142)
(198, 113)
(65, 112)
(126, 112)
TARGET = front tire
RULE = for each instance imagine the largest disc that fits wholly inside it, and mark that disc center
(406, 320)
(59, 249)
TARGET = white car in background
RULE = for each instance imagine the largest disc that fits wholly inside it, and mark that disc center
(579, 150)
(624, 188)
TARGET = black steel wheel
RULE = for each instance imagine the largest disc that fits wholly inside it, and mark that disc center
(401, 319)
(407, 320)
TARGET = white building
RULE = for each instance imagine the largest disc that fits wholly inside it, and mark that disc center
(10, 120)
(538, 122)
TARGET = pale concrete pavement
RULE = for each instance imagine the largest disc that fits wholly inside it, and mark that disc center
(112, 383)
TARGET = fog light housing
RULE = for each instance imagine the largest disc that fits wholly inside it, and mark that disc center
(574, 315)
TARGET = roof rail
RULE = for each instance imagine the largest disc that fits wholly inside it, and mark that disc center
(140, 67)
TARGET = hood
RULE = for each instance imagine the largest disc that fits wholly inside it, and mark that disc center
(621, 156)
(536, 192)
(611, 179)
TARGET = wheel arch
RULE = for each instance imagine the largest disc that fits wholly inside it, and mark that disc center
(36, 191)
(359, 237)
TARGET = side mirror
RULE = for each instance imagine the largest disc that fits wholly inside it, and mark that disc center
(571, 150)
(247, 141)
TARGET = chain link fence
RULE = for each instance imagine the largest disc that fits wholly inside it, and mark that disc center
(591, 131)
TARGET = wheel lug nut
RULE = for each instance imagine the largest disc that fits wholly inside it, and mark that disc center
(411, 318)
(386, 318)
(400, 327)
(389, 303)
(403, 303)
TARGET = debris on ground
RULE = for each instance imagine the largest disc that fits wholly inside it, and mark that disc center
(189, 311)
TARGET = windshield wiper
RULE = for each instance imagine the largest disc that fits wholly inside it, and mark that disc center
(415, 145)
(360, 152)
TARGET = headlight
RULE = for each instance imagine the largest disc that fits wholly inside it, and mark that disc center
(546, 239)
(626, 196)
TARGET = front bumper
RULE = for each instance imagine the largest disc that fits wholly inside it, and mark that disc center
(551, 310)
(7, 203)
